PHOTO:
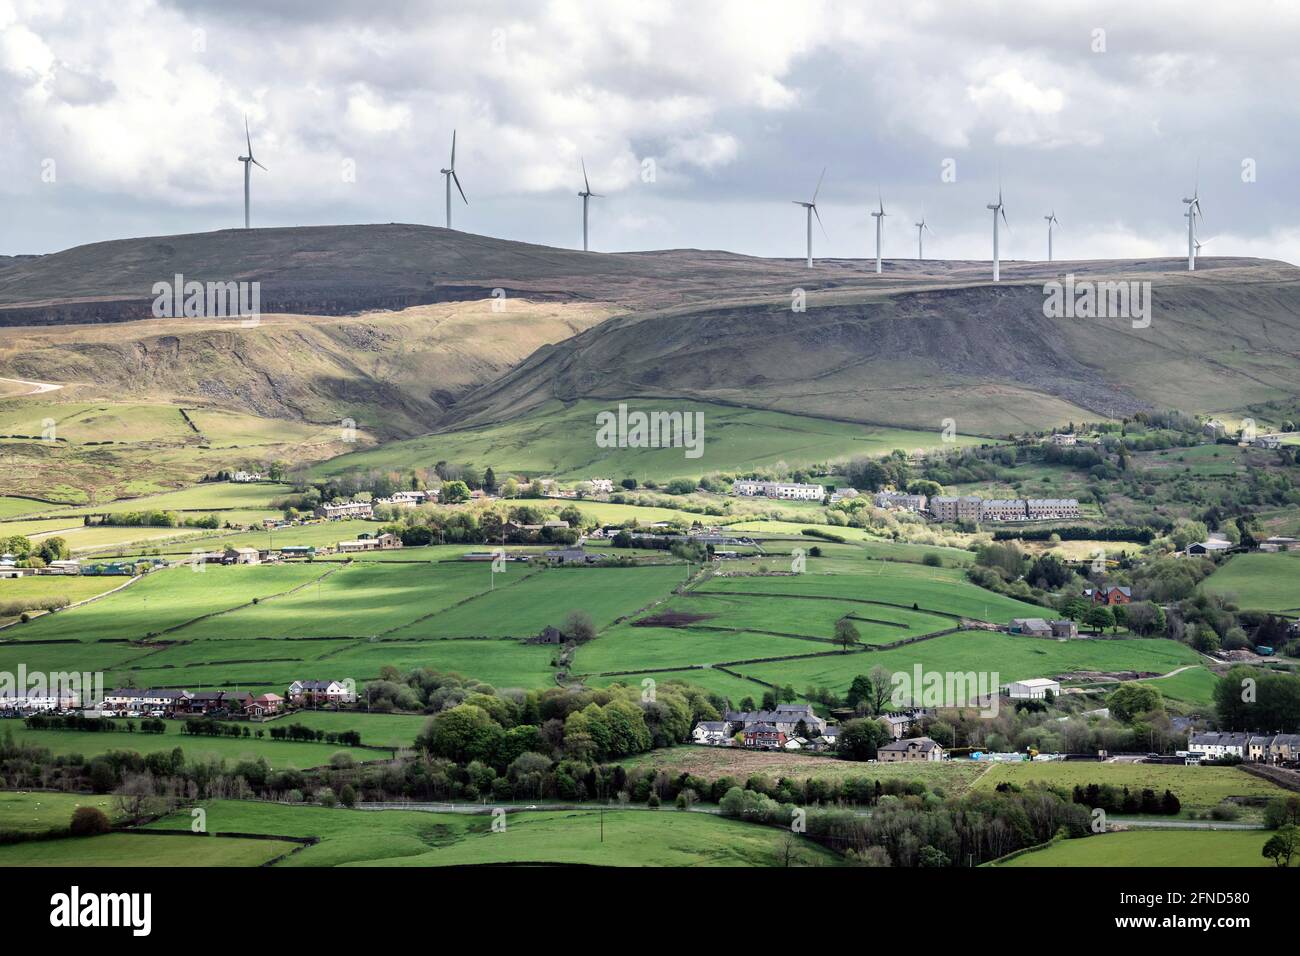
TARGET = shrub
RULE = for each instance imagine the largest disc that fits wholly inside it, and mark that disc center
(88, 821)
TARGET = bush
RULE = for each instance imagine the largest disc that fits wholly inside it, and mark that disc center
(89, 821)
(932, 561)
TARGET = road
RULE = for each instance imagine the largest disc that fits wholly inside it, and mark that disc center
(38, 388)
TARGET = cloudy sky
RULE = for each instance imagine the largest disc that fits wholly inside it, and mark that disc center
(699, 121)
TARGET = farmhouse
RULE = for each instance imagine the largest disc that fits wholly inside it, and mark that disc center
(910, 748)
(1030, 626)
(1064, 438)
(244, 556)
(349, 509)
(898, 722)
(1214, 428)
(1109, 595)
(404, 498)
(711, 732)
(601, 486)
(1064, 628)
(1036, 688)
(242, 476)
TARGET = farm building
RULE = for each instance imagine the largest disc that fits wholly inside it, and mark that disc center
(910, 748)
(1036, 688)
(1109, 594)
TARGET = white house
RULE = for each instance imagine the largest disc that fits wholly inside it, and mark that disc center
(1215, 745)
(785, 490)
(320, 691)
(711, 732)
(242, 476)
(1036, 688)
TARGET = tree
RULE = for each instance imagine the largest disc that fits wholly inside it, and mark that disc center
(1283, 845)
(453, 492)
(88, 821)
(1098, 618)
(860, 692)
(578, 626)
(846, 635)
(1131, 700)
(859, 738)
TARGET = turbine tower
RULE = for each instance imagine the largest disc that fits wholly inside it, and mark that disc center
(880, 223)
(810, 209)
(248, 161)
(449, 174)
(921, 227)
(1193, 213)
(1051, 221)
(997, 210)
(586, 194)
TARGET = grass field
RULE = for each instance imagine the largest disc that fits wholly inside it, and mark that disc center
(167, 599)
(559, 440)
(1259, 581)
(34, 810)
(1196, 787)
(410, 838)
(1193, 688)
(1009, 657)
(279, 754)
(952, 776)
(930, 589)
(134, 849)
(1172, 848)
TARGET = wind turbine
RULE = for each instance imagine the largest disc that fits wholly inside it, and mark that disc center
(246, 160)
(586, 194)
(1192, 214)
(810, 209)
(997, 210)
(880, 224)
(1051, 221)
(449, 174)
(921, 227)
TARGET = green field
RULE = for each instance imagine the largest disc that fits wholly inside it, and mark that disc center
(1008, 656)
(36, 810)
(134, 849)
(1259, 581)
(1173, 848)
(410, 838)
(897, 583)
(1193, 688)
(167, 599)
(1196, 787)
(279, 754)
(559, 441)
(953, 777)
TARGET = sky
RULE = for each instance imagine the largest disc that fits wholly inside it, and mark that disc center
(700, 123)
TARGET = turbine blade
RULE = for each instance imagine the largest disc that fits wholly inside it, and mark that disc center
(820, 223)
(456, 180)
(819, 187)
(585, 182)
(453, 151)
(257, 164)
(247, 137)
